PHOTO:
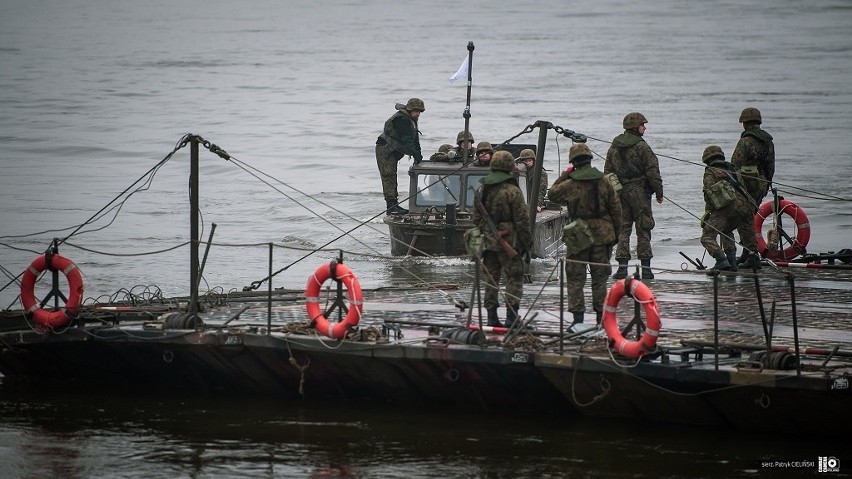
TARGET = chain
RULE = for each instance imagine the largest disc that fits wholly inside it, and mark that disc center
(206, 144)
(575, 137)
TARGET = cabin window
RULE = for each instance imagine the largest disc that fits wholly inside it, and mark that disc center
(438, 190)
(472, 185)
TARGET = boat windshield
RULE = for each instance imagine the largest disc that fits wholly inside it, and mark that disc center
(472, 184)
(438, 190)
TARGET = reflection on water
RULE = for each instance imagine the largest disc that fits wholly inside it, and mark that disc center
(77, 435)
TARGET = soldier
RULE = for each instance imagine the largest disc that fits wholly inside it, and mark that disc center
(527, 158)
(504, 204)
(591, 198)
(754, 160)
(457, 153)
(400, 137)
(725, 212)
(483, 154)
(636, 166)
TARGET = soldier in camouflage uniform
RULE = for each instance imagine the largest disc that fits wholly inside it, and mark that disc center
(484, 152)
(588, 196)
(636, 166)
(457, 153)
(400, 137)
(721, 222)
(527, 158)
(754, 160)
(504, 202)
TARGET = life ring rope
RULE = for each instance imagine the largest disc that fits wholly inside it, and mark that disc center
(641, 293)
(803, 229)
(342, 274)
(60, 317)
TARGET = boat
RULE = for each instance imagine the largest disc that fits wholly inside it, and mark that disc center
(696, 349)
(441, 203)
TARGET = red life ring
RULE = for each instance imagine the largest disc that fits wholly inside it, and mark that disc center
(356, 299)
(803, 229)
(59, 317)
(643, 294)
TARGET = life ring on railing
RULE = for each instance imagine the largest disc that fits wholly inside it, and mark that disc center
(60, 317)
(642, 293)
(342, 273)
(803, 229)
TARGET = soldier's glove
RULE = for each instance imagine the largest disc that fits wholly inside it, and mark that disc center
(418, 158)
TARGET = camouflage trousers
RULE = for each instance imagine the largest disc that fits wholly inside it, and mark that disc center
(575, 277)
(722, 224)
(387, 162)
(493, 264)
(757, 188)
(635, 209)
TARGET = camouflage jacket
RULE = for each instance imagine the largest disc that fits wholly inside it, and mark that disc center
(401, 135)
(635, 164)
(456, 154)
(589, 196)
(755, 149)
(542, 186)
(719, 171)
(505, 204)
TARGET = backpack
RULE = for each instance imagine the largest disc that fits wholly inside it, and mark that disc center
(577, 237)
(721, 194)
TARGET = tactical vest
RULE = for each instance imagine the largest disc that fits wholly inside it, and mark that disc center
(391, 136)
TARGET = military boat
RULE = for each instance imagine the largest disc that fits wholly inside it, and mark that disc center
(441, 203)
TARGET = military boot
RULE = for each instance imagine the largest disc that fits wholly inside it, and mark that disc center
(621, 272)
(722, 263)
(492, 318)
(753, 261)
(511, 314)
(394, 208)
(579, 316)
(598, 317)
(646, 269)
(732, 259)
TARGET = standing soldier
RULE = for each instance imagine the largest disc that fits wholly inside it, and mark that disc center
(727, 207)
(592, 199)
(505, 213)
(754, 160)
(400, 137)
(527, 158)
(636, 166)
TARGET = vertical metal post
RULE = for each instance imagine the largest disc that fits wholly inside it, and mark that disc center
(561, 263)
(466, 113)
(792, 281)
(543, 126)
(269, 296)
(716, 320)
(193, 225)
(450, 229)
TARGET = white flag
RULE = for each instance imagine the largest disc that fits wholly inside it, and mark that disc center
(462, 73)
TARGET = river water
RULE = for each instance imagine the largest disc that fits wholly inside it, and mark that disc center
(95, 93)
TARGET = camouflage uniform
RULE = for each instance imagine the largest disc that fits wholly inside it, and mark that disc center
(455, 153)
(589, 196)
(504, 202)
(739, 215)
(754, 158)
(400, 137)
(636, 166)
(543, 181)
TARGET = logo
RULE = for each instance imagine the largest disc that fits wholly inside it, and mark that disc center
(520, 358)
(828, 464)
(840, 384)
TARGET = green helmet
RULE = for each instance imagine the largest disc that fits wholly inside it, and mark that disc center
(750, 115)
(502, 161)
(712, 153)
(579, 154)
(415, 104)
(526, 153)
(445, 148)
(634, 120)
(484, 146)
(461, 136)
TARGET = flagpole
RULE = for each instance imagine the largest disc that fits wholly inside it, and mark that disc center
(466, 113)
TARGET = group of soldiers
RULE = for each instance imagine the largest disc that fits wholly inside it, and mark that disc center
(604, 206)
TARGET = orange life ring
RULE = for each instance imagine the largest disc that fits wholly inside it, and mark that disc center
(59, 317)
(803, 229)
(643, 294)
(345, 275)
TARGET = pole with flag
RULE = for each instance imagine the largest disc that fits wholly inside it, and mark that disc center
(466, 68)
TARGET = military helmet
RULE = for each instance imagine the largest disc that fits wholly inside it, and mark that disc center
(445, 148)
(750, 115)
(579, 154)
(502, 161)
(484, 146)
(634, 120)
(526, 153)
(461, 136)
(415, 104)
(711, 153)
